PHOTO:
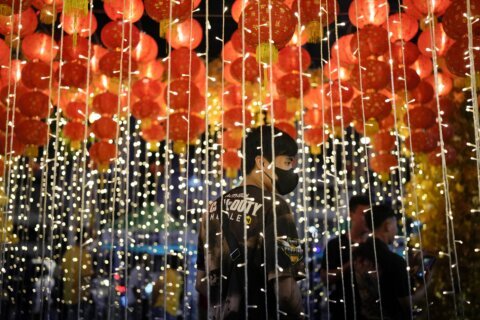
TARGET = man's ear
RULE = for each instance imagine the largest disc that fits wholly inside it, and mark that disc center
(258, 163)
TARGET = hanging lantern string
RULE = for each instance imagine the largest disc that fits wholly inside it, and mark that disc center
(451, 241)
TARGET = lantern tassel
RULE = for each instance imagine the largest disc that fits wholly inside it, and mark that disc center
(315, 32)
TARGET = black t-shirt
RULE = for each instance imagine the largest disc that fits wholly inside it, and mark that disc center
(393, 279)
(259, 211)
(338, 253)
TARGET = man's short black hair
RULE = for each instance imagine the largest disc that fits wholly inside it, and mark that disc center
(260, 139)
(359, 200)
(378, 215)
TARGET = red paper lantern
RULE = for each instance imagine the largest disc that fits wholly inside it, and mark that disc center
(184, 63)
(97, 53)
(438, 7)
(32, 132)
(447, 107)
(10, 145)
(102, 153)
(420, 118)
(146, 50)
(240, 46)
(233, 118)
(114, 32)
(28, 21)
(457, 57)
(146, 109)
(402, 27)
(105, 104)
(105, 128)
(388, 122)
(74, 132)
(423, 92)
(444, 83)
(74, 51)
(375, 75)
(76, 111)
(336, 88)
(442, 42)
(455, 19)
(435, 157)
(366, 12)
(9, 116)
(34, 104)
(4, 53)
(79, 25)
(421, 141)
(315, 117)
(371, 41)
(231, 162)
(383, 163)
(154, 133)
(14, 6)
(289, 85)
(162, 10)
(39, 46)
(316, 15)
(405, 78)
(183, 95)
(342, 49)
(181, 123)
(109, 64)
(404, 53)
(289, 59)
(147, 88)
(338, 114)
(153, 70)
(447, 132)
(128, 10)
(313, 138)
(231, 139)
(188, 33)
(248, 69)
(256, 17)
(375, 105)
(423, 66)
(281, 111)
(73, 74)
(383, 141)
(36, 75)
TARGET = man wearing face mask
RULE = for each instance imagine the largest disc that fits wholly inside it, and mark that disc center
(274, 251)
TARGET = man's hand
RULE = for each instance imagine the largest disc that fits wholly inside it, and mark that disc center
(289, 298)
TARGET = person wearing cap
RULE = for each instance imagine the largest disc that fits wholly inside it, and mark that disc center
(275, 259)
(377, 267)
(338, 254)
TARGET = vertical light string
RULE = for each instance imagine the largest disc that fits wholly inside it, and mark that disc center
(244, 166)
(116, 169)
(272, 164)
(366, 155)
(8, 162)
(45, 164)
(303, 191)
(451, 242)
(332, 161)
(399, 161)
(412, 161)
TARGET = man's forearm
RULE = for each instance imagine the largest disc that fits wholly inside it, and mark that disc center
(289, 298)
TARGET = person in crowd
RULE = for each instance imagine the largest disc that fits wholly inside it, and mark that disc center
(76, 273)
(274, 251)
(381, 275)
(337, 254)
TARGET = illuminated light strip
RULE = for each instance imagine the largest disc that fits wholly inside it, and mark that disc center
(451, 242)
(366, 156)
(412, 161)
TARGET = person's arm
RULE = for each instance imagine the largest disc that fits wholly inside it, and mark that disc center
(200, 283)
(418, 295)
(289, 298)
(334, 274)
(333, 271)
